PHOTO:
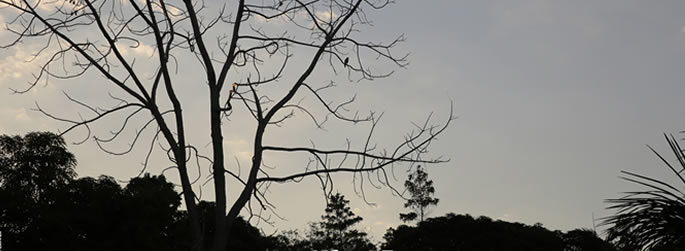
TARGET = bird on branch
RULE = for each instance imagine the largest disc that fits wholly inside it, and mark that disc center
(230, 95)
(347, 60)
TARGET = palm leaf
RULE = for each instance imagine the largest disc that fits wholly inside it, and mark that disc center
(653, 219)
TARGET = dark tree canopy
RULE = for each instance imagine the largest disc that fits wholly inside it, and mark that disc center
(33, 170)
(421, 190)
(35, 164)
(97, 214)
(585, 240)
(244, 237)
(466, 233)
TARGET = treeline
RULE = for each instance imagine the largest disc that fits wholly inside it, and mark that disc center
(464, 232)
(43, 206)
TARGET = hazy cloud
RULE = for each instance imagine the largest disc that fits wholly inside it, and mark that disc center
(13, 68)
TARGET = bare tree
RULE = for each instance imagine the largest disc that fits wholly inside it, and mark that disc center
(243, 64)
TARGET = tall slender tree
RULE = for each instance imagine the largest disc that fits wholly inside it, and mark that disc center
(336, 230)
(421, 190)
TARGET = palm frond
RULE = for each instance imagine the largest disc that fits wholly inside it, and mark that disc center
(653, 219)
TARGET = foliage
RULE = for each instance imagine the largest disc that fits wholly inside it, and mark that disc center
(244, 237)
(44, 208)
(463, 232)
(290, 240)
(336, 231)
(421, 190)
(652, 219)
(97, 214)
(585, 240)
(35, 164)
(33, 169)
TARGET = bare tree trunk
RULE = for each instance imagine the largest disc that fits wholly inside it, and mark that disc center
(220, 234)
(246, 194)
(194, 217)
(179, 151)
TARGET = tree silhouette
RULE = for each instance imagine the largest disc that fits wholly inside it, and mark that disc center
(421, 190)
(336, 231)
(651, 219)
(240, 61)
(244, 237)
(150, 200)
(466, 233)
(585, 240)
(97, 214)
(33, 169)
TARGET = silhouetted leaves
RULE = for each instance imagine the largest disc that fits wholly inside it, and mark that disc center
(33, 169)
(465, 233)
(44, 208)
(652, 219)
(421, 190)
(336, 231)
(243, 235)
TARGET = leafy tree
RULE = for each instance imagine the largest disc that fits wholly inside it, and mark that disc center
(585, 240)
(97, 214)
(466, 233)
(651, 219)
(290, 240)
(151, 204)
(236, 60)
(35, 164)
(33, 168)
(244, 237)
(421, 190)
(94, 213)
(336, 231)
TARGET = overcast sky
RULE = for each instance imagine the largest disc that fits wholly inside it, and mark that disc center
(554, 98)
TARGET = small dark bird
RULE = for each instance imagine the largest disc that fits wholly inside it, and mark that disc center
(192, 47)
(347, 60)
(280, 3)
(230, 95)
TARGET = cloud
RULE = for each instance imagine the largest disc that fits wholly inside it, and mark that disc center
(244, 155)
(54, 4)
(327, 15)
(14, 2)
(13, 68)
(14, 114)
(235, 142)
(3, 30)
(144, 50)
(505, 217)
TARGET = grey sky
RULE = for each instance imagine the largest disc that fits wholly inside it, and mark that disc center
(554, 98)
